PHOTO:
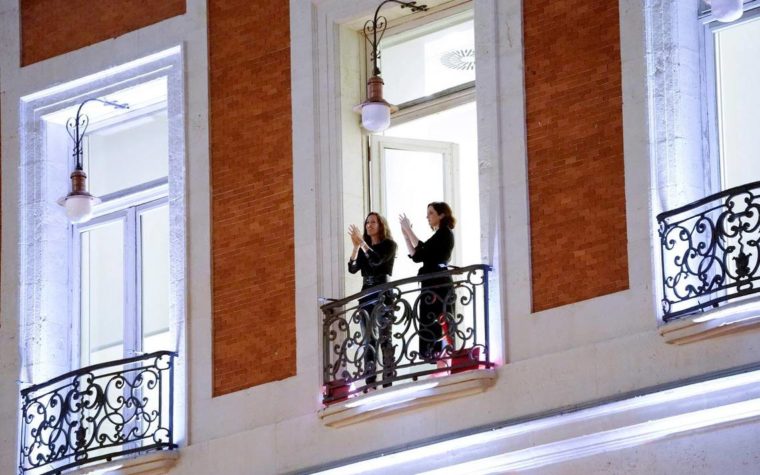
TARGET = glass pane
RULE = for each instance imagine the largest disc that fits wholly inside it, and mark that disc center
(128, 153)
(457, 125)
(154, 246)
(102, 293)
(428, 59)
(412, 180)
(739, 101)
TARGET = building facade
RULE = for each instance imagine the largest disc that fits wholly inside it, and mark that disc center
(600, 158)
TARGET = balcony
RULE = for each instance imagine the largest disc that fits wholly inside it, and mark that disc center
(98, 413)
(710, 252)
(411, 329)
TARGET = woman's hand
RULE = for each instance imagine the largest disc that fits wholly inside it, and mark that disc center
(406, 225)
(409, 237)
(355, 235)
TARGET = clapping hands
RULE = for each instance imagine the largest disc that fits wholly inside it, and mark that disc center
(406, 225)
(355, 235)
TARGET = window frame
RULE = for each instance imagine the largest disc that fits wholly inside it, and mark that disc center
(709, 75)
(125, 204)
(45, 291)
(409, 28)
(329, 130)
(130, 214)
(438, 101)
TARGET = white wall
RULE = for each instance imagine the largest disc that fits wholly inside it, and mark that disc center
(564, 356)
(732, 449)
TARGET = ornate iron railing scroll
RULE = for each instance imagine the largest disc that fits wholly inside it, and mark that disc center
(709, 251)
(99, 412)
(405, 330)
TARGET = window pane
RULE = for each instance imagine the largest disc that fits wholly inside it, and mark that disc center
(102, 293)
(128, 153)
(737, 52)
(457, 125)
(154, 246)
(428, 59)
(414, 179)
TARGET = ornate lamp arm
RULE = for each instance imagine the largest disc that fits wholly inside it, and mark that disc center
(77, 126)
(79, 201)
(379, 24)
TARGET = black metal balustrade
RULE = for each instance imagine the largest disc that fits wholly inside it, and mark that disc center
(98, 413)
(384, 335)
(710, 251)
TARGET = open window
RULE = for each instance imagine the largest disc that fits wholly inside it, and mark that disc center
(430, 152)
(406, 175)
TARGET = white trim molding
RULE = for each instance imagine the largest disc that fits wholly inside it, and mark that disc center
(45, 291)
(550, 439)
(407, 396)
(726, 320)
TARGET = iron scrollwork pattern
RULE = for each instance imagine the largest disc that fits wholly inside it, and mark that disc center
(709, 251)
(98, 413)
(374, 29)
(406, 329)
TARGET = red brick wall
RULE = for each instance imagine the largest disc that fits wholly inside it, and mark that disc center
(53, 27)
(575, 150)
(252, 193)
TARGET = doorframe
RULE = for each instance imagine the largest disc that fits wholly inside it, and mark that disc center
(450, 152)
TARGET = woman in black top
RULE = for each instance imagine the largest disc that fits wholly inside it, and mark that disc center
(435, 300)
(373, 255)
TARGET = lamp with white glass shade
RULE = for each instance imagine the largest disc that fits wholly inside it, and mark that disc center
(726, 10)
(376, 111)
(79, 202)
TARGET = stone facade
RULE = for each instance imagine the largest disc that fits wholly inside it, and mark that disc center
(580, 385)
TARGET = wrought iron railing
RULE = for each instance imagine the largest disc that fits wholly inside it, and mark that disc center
(99, 412)
(405, 330)
(710, 251)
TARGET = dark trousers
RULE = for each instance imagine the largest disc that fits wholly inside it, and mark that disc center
(433, 307)
(377, 328)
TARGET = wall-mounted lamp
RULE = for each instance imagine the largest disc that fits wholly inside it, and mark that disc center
(376, 111)
(726, 10)
(79, 201)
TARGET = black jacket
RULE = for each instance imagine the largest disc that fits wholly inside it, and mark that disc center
(435, 252)
(377, 262)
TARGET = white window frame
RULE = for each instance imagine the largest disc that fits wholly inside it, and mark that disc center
(441, 100)
(420, 107)
(130, 215)
(684, 137)
(45, 294)
(126, 204)
(709, 78)
(449, 152)
(339, 84)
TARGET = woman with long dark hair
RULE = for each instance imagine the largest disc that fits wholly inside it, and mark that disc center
(373, 255)
(434, 254)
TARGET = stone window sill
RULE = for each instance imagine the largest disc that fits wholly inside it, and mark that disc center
(729, 319)
(154, 463)
(403, 397)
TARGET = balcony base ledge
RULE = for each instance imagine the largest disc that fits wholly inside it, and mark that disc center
(727, 320)
(407, 397)
(154, 463)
